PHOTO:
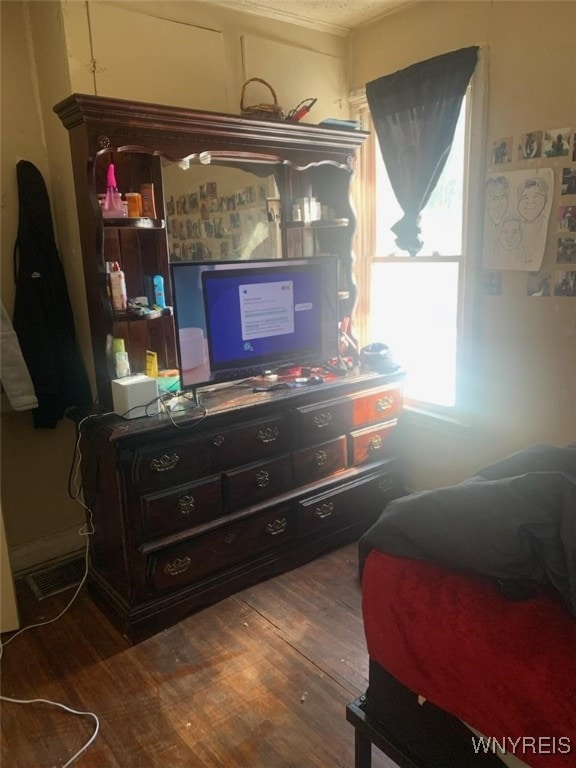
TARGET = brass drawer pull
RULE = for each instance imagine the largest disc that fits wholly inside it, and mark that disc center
(322, 420)
(268, 435)
(320, 457)
(324, 510)
(186, 504)
(218, 441)
(179, 565)
(278, 526)
(229, 538)
(164, 463)
(385, 483)
(384, 404)
(263, 479)
(375, 443)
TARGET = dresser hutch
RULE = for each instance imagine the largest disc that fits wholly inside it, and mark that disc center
(190, 507)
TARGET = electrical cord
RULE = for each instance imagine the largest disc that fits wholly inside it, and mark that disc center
(85, 530)
(75, 491)
(67, 709)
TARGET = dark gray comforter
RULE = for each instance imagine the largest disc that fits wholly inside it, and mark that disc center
(514, 521)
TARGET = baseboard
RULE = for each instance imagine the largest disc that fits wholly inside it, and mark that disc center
(43, 550)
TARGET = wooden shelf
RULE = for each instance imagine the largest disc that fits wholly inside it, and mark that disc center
(134, 318)
(140, 223)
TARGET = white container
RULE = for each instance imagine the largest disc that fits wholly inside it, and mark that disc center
(118, 290)
(135, 396)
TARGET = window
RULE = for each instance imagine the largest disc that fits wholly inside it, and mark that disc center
(420, 306)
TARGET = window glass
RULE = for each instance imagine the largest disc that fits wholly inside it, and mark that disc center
(414, 311)
(413, 300)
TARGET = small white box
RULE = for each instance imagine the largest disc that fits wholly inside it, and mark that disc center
(135, 396)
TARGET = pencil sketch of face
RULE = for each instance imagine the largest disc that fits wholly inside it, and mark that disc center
(511, 233)
(497, 199)
(532, 197)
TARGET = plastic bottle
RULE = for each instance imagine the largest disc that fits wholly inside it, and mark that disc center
(148, 205)
(118, 287)
(113, 207)
(121, 362)
(159, 298)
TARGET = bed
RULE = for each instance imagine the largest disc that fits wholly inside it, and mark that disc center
(469, 606)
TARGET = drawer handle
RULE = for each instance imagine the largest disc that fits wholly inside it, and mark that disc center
(322, 420)
(375, 443)
(324, 510)
(320, 457)
(385, 483)
(164, 463)
(384, 404)
(278, 526)
(229, 538)
(263, 479)
(268, 435)
(177, 566)
(218, 441)
(186, 504)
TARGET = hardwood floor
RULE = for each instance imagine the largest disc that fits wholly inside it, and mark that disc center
(259, 680)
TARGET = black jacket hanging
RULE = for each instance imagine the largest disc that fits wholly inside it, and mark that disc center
(43, 318)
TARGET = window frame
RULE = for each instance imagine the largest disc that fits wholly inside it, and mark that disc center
(469, 273)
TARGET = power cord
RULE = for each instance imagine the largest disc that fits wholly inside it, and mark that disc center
(85, 530)
(75, 491)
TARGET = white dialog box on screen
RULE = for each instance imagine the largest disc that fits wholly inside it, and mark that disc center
(266, 309)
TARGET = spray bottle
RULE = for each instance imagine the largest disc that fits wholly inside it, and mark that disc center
(113, 207)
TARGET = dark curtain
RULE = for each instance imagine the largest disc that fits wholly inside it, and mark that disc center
(415, 112)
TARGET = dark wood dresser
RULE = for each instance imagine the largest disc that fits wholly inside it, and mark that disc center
(186, 513)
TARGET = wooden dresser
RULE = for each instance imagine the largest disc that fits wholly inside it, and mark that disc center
(185, 514)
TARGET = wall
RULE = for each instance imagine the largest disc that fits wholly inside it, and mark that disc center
(524, 366)
(34, 462)
(181, 53)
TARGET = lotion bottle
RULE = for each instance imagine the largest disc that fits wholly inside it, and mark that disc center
(118, 287)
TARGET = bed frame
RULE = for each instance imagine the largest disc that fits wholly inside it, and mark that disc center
(413, 736)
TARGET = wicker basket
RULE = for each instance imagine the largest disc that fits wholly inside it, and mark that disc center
(264, 111)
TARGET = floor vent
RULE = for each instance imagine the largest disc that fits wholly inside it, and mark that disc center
(56, 578)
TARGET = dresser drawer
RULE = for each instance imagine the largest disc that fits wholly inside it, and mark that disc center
(377, 405)
(319, 423)
(181, 507)
(319, 461)
(206, 555)
(182, 460)
(256, 482)
(369, 444)
(359, 501)
(254, 440)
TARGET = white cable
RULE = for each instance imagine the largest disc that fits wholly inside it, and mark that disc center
(85, 530)
(67, 709)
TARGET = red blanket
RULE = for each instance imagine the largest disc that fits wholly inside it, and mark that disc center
(506, 668)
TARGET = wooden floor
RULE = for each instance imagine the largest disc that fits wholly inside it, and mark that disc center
(259, 680)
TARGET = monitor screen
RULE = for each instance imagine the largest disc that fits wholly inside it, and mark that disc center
(238, 319)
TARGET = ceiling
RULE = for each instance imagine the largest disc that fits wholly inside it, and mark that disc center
(336, 16)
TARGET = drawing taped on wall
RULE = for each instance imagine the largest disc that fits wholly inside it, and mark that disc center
(517, 212)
